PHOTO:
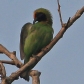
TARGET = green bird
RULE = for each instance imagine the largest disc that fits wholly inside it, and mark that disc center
(36, 36)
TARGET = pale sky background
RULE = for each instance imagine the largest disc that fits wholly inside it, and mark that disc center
(64, 64)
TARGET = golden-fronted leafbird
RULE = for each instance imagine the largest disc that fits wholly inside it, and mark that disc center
(36, 36)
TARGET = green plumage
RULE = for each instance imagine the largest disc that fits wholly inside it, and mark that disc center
(39, 36)
(36, 36)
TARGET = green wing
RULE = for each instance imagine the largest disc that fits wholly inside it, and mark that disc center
(39, 36)
(24, 33)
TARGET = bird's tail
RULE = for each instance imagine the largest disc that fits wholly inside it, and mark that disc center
(25, 75)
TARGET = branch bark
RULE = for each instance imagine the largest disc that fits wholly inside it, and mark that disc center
(8, 62)
(35, 76)
(2, 73)
(59, 11)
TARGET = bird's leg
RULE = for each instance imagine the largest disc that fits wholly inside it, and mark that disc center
(35, 56)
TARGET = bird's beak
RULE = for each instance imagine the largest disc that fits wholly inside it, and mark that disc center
(35, 20)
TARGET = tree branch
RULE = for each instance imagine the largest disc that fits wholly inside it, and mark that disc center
(59, 11)
(8, 62)
(2, 73)
(76, 16)
(35, 76)
(10, 55)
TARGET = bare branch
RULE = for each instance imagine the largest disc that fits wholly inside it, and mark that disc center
(10, 55)
(2, 70)
(76, 16)
(2, 73)
(7, 62)
(35, 76)
(59, 11)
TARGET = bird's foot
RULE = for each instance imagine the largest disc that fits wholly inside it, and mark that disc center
(35, 56)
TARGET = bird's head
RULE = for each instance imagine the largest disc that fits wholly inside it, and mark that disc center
(42, 15)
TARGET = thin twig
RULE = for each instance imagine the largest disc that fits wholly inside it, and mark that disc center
(59, 11)
(8, 62)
